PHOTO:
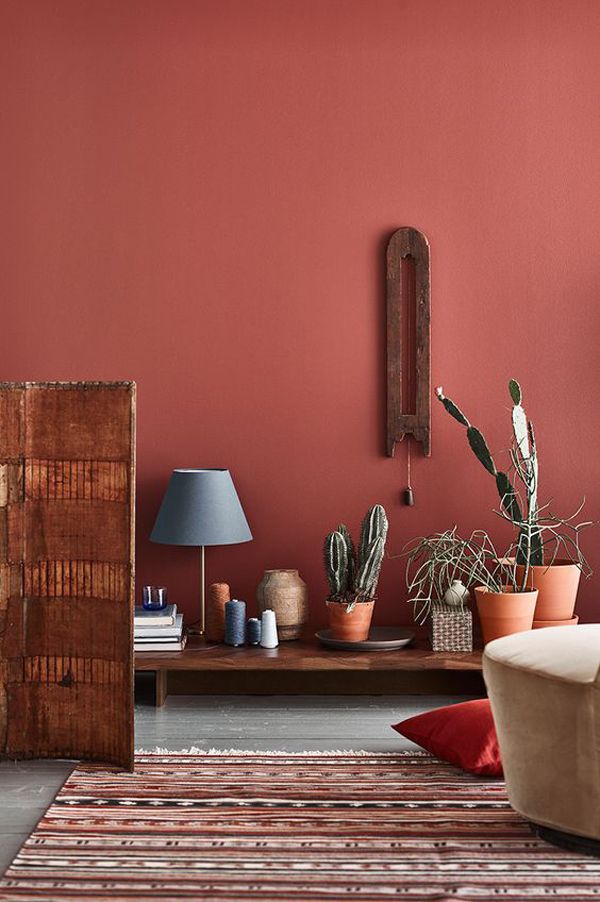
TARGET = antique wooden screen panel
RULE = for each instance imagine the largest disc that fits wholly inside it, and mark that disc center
(408, 281)
(66, 570)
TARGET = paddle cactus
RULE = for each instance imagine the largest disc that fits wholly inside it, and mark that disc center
(354, 577)
(525, 463)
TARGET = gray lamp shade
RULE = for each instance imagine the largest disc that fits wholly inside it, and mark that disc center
(201, 507)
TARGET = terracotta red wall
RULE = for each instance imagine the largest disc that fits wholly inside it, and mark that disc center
(198, 195)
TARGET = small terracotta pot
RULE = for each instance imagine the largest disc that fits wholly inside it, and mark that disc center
(542, 624)
(504, 613)
(353, 626)
(557, 585)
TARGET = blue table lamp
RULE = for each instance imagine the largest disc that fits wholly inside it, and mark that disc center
(199, 508)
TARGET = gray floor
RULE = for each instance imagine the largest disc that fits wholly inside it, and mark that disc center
(292, 723)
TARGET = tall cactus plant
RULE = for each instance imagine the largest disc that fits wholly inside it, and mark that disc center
(374, 525)
(353, 576)
(525, 463)
(350, 551)
(367, 577)
(336, 563)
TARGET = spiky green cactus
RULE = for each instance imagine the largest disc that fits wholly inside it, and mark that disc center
(368, 573)
(524, 459)
(353, 577)
(350, 551)
(336, 564)
(374, 525)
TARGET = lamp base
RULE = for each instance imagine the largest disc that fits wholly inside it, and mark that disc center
(195, 629)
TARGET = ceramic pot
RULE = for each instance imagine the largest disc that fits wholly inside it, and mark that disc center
(542, 624)
(284, 592)
(353, 626)
(457, 595)
(557, 585)
(504, 613)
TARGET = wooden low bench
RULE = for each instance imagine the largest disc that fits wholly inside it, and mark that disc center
(304, 666)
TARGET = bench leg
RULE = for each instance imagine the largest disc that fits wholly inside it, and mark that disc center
(160, 687)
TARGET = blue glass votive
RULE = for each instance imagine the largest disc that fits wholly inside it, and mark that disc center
(154, 598)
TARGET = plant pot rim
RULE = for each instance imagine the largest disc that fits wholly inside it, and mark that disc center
(347, 603)
(558, 562)
(544, 624)
(507, 590)
(281, 570)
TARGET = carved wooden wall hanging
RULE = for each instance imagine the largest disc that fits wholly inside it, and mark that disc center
(66, 570)
(408, 339)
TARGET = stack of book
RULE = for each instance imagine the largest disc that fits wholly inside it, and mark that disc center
(158, 630)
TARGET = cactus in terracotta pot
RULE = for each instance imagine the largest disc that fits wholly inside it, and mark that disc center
(525, 463)
(547, 550)
(353, 575)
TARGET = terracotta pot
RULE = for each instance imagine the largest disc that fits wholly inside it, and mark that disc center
(284, 592)
(353, 626)
(504, 613)
(542, 624)
(557, 585)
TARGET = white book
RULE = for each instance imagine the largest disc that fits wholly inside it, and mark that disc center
(166, 617)
(161, 646)
(149, 631)
(148, 640)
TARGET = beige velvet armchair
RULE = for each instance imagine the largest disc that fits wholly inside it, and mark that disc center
(544, 688)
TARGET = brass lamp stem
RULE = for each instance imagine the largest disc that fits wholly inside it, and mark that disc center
(202, 592)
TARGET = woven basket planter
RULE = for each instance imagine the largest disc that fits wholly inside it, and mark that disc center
(451, 630)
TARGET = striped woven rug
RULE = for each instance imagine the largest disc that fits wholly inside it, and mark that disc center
(278, 827)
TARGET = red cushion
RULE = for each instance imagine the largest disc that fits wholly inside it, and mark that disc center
(462, 734)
